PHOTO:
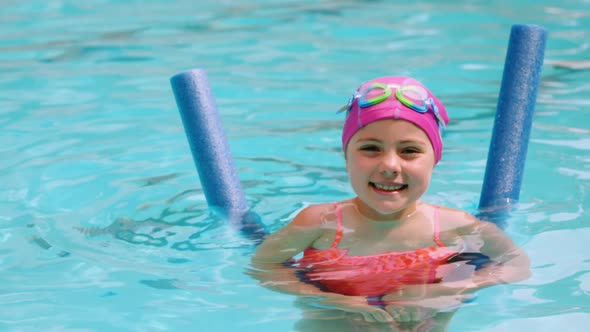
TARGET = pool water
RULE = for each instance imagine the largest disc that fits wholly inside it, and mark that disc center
(103, 223)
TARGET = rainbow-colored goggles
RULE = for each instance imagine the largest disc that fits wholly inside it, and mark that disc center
(414, 97)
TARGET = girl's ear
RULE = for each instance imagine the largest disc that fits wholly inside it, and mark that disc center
(345, 163)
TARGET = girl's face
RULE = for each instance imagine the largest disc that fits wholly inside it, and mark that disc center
(389, 163)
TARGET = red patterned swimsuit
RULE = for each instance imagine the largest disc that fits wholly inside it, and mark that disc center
(373, 275)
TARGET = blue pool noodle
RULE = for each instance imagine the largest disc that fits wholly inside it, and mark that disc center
(211, 152)
(513, 121)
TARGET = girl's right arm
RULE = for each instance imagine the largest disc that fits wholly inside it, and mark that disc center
(270, 258)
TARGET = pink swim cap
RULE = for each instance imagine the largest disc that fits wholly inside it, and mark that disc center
(379, 99)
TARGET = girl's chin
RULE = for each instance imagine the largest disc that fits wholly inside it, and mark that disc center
(386, 207)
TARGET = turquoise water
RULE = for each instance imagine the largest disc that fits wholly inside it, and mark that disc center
(103, 224)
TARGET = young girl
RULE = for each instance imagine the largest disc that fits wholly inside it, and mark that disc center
(384, 261)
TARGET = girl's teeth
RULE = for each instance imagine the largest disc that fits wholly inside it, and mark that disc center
(388, 187)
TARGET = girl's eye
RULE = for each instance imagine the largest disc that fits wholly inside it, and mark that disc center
(369, 148)
(411, 150)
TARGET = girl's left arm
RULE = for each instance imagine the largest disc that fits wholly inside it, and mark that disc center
(509, 263)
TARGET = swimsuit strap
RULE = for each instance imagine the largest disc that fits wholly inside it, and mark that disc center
(436, 223)
(338, 226)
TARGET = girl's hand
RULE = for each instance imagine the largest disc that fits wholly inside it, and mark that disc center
(415, 303)
(404, 313)
(356, 304)
(421, 309)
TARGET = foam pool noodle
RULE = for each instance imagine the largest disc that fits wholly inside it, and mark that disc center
(513, 121)
(211, 153)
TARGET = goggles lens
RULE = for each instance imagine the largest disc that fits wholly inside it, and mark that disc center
(374, 94)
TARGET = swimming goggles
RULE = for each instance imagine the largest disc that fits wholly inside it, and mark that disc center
(412, 96)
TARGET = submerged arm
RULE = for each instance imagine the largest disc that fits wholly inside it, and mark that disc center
(509, 263)
(270, 261)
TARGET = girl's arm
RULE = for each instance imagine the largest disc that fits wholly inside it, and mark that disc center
(270, 258)
(509, 263)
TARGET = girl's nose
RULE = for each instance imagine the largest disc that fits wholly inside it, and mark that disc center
(390, 164)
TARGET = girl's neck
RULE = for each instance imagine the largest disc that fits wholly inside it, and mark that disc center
(373, 216)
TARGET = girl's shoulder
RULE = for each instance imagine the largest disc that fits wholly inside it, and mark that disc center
(462, 222)
(451, 218)
(316, 215)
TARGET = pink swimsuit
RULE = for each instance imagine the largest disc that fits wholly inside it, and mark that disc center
(373, 275)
